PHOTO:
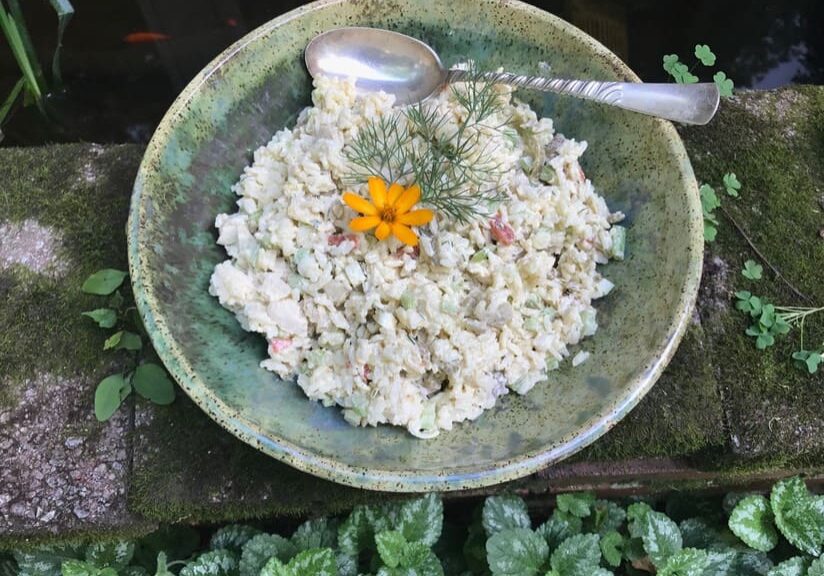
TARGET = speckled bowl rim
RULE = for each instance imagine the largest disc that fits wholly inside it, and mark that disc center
(483, 474)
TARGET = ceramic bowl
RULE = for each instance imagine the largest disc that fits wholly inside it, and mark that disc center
(258, 86)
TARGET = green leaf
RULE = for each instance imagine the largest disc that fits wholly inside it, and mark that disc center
(79, 568)
(129, 341)
(607, 516)
(421, 520)
(725, 85)
(731, 184)
(111, 391)
(710, 231)
(104, 282)
(764, 341)
(578, 504)
(743, 295)
(232, 537)
(704, 54)
(474, 549)
(391, 545)
(347, 565)
(516, 552)
(556, 530)
(175, 542)
(10, 100)
(418, 560)
(709, 199)
(685, 562)
(151, 382)
(64, 11)
(577, 556)
(634, 549)
(752, 521)
(796, 566)
(502, 512)
(816, 567)
(797, 515)
(220, 562)
(117, 553)
(44, 560)
(311, 562)
(808, 360)
(670, 60)
(260, 548)
(752, 270)
(660, 535)
(355, 534)
(105, 317)
(133, 571)
(612, 544)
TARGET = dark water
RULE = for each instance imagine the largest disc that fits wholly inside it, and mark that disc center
(117, 91)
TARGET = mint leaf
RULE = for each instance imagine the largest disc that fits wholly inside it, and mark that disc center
(660, 535)
(793, 567)
(685, 562)
(104, 282)
(752, 521)
(421, 520)
(797, 515)
(213, 563)
(725, 85)
(109, 394)
(391, 546)
(151, 382)
(317, 533)
(117, 553)
(502, 512)
(516, 552)
(232, 537)
(105, 317)
(579, 555)
(556, 530)
(578, 504)
(612, 543)
(260, 548)
(704, 54)
(752, 270)
(731, 184)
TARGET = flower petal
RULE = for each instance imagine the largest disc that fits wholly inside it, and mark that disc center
(382, 231)
(405, 234)
(364, 223)
(377, 190)
(395, 191)
(408, 199)
(359, 204)
(416, 217)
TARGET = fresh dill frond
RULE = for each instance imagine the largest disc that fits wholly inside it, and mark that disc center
(442, 152)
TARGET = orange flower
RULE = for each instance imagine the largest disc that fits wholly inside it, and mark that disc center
(388, 212)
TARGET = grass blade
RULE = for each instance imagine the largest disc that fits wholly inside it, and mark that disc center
(9, 28)
(65, 11)
(12, 97)
(25, 39)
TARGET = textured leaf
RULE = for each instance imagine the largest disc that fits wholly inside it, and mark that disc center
(232, 537)
(579, 555)
(133, 571)
(313, 562)
(685, 562)
(704, 54)
(516, 552)
(660, 535)
(316, 533)
(418, 560)
(612, 544)
(636, 514)
(347, 565)
(152, 382)
(752, 270)
(816, 567)
(607, 516)
(670, 60)
(260, 548)
(793, 567)
(797, 516)
(108, 396)
(578, 504)
(474, 549)
(220, 562)
(752, 521)
(117, 553)
(731, 184)
(556, 530)
(78, 568)
(355, 533)
(502, 512)
(45, 560)
(105, 317)
(725, 85)
(421, 520)
(104, 282)
(391, 545)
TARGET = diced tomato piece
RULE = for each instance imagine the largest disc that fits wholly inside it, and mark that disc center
(501, 231)
(338, 239)
(278, 345)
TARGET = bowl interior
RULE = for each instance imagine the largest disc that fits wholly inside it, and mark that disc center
(256, 88)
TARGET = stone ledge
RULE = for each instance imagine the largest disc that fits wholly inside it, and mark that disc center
(723, 413)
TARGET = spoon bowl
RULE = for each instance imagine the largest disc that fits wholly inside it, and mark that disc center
(379, 60)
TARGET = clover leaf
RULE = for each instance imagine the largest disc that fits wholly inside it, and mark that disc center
(670, 60)
(725, 85)
(809, 359)
(731, 184)
(704, 54)
(752, 270)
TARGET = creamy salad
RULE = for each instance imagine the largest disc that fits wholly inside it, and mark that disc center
(419, 336)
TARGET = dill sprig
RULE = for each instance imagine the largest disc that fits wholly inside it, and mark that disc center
(449, 163)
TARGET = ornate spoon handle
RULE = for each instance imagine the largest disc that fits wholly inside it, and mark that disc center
(685, 103)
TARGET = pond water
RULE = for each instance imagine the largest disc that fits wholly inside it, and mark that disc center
(125, 61)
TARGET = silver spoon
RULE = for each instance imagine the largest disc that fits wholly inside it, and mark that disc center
(412, 71)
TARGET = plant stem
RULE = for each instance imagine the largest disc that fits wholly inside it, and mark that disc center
(763, 258)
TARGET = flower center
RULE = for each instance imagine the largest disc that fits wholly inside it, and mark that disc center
(388, 214)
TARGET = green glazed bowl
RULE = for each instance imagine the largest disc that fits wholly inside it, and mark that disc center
(258, 86)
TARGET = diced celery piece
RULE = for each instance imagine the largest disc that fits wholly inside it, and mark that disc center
(407, 301)
(548, 175)
(619, 240)
(531, 324)
(479, 256)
